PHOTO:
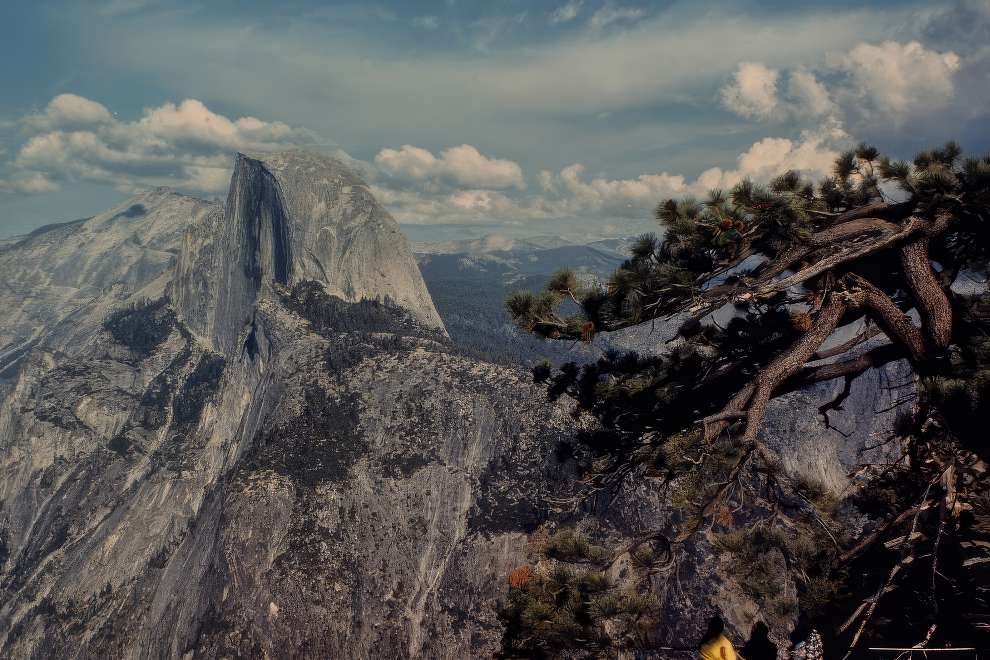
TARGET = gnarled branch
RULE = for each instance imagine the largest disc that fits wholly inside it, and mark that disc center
(895, 323)
(933, 304)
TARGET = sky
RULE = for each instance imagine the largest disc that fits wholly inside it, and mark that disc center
(570, 117)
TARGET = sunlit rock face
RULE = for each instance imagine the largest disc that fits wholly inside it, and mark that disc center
(288, 218)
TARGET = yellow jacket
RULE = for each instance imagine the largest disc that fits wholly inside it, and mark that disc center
(719, 648)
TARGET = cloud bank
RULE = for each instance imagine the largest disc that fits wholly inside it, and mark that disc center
(188, 146)
(869, 84)
(184, 145)
(463, 165)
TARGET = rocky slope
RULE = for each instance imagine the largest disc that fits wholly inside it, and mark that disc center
(241, 430)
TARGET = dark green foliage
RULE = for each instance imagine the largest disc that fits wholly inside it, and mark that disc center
(142, 326)
(563, 282)
(759, 555)
(569, 546)
(633, 395)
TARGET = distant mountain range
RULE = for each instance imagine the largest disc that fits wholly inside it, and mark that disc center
(470, 279)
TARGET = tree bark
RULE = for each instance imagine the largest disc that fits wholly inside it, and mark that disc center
(851, 229)
(714, 425)
(933, 304)
(786, 365)
(914, 226)
(895, 323)
(882, 209)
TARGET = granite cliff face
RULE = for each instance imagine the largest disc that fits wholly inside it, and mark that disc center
(241, 430)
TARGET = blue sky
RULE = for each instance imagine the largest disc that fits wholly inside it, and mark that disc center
(537, 117)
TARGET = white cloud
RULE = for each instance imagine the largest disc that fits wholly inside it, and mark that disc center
(614, 14)
(421, 206)
(545, 179)
(808, 96)
(463, 165)
(870, 84)
(68, 111)
(566, 12)
(615, 197)
(186, 146)
(897, 79)
(572, 194)
(193, 124)
(753, 91)
(813, 155)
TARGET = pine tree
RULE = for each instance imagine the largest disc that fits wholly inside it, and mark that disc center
(795, 261)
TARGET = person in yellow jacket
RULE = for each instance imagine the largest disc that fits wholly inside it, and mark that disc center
(715, 645)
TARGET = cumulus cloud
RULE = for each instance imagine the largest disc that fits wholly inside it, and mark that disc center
(420, 206)
(68, 111)
(463, 165)
(614, 197)
(572, 194)
(807, 96)
(870, 83)
(566, 12)
(813, 154)
(184, 145)
(897, 79)
(753, 91)
(614, 14)
(188, 146)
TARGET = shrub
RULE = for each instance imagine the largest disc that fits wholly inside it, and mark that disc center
(520, 577)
